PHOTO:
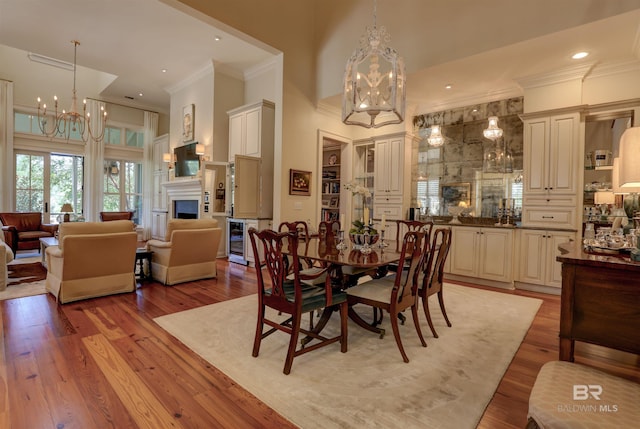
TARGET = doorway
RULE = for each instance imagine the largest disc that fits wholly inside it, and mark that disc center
(45, 182)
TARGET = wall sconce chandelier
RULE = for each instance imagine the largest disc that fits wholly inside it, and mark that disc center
(374, 82)
(72, 122)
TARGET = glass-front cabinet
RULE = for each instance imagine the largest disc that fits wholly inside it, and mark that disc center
(363, 175)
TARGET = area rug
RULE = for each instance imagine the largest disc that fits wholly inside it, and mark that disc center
(26, 278)
(446, 385)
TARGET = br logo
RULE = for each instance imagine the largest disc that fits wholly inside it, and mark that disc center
(582, 392)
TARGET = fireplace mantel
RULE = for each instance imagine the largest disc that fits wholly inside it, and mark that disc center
(190, 189)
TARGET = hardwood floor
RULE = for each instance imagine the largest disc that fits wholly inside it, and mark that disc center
(104, 363)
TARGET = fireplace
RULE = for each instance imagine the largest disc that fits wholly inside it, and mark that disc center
(185, 209)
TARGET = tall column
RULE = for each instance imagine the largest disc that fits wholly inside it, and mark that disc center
(94, 166)
(6, 145)
(150, 133)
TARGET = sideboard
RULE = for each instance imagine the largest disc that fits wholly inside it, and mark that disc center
(600, 300)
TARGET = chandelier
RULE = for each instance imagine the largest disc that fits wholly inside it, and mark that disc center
(493, 132)
(498, 159)
(70, 123)
(374, 82)
(435, 139)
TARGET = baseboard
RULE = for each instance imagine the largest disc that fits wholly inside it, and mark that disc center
(478, 281)
(551, 290)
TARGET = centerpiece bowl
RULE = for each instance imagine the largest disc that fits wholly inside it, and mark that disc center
(359, 240)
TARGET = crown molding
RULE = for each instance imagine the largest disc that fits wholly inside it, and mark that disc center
(454, 103)
(559, 76)
(261, 68)
(614, 68)
(190, 80)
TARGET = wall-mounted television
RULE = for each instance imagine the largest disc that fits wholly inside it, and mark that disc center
(187, 162)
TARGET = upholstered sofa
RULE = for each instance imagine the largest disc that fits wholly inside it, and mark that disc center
(188, 252)
(92, 259)
(22, 231)
(6, 256)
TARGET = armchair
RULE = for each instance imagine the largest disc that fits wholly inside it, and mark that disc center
(92, 259)
(108, 216)
(22, 231)
(188, 252)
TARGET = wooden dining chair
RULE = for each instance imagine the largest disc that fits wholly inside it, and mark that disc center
(290, 296)
(404, 226)
(393, 294)
(431, 275)
(326, 228)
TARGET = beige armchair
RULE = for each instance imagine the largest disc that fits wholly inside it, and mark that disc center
(188, 252)
(92, 259)
(6, 256)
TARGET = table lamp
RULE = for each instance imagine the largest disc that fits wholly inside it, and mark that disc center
(66, 209)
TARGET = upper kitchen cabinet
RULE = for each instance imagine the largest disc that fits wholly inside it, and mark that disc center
(251, 127)
(552, 161)
(551, 154)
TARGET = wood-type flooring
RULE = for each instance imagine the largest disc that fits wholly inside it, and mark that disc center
(104, 363)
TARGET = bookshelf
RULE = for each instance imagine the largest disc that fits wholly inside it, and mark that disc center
(331, 183)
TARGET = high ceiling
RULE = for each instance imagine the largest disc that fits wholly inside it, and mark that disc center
(136, 40)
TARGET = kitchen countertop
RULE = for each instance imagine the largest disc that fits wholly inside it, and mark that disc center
(491, 223)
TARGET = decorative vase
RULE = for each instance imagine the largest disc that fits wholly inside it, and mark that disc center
(359, 240)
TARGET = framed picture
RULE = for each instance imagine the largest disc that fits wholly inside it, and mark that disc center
(299, 182)
(188, 115)
(454, 193)
(333, 203)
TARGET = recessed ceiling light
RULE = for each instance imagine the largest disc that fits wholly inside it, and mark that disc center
(164, 70)
(140, 94)
(448, 86)
(579, 55)
(217, 38)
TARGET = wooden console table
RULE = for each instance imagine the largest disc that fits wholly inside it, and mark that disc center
(600, 301)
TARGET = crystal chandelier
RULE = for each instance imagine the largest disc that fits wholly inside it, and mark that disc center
(67, 123)
(493, 132)
(374, 82)
(435, 139)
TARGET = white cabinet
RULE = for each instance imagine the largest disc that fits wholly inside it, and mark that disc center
(538, 251)
(158, 224)
(248, 249)
(251, 129)
(251, 147)
(552, 162)
(389, 170)
(484, 253)
(159, 192)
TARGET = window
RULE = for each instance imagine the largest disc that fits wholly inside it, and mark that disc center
(123, 187)
(28, 124)
(133, 138)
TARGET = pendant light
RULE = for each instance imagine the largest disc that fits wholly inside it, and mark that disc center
(374, 82)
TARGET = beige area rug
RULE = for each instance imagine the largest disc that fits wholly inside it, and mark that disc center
(26, 284)
(446, 385)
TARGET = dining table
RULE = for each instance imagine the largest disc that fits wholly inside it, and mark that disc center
(346, 266)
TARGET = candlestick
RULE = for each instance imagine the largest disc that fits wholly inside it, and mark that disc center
(366, 216)
(341, 220)
(384, 220)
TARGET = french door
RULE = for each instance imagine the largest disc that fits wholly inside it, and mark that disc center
(46, 181)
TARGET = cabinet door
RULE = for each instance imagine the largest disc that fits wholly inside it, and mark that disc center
(536, 153)
(389, 167)
(248, 250)
(563, 154)
(158, 225)
(533, 249)
(253, 132)
(246, 195)
(236, 136)
(553, 275)
(495, 250)
(463, 251)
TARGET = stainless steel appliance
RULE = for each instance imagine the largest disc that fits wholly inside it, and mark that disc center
(236, 238)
